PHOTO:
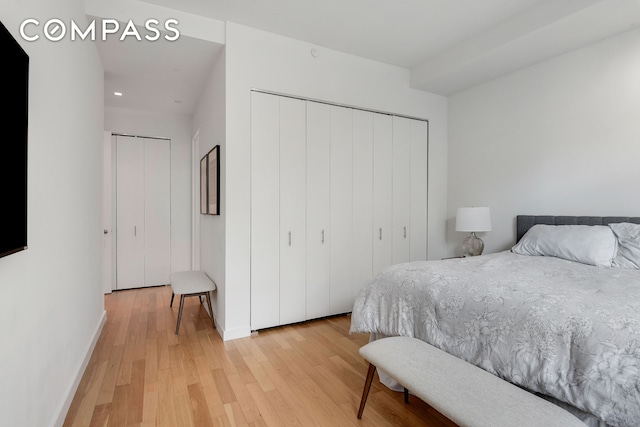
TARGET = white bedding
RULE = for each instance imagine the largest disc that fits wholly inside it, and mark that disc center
(560, 328)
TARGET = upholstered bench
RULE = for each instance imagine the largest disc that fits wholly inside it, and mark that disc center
(191, 284)
(467, 395)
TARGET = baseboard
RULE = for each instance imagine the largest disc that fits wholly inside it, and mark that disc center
(66, 404)
(232, 334)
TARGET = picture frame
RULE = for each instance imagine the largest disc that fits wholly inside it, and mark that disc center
(204, 204)
(213, 181)
(210, 182)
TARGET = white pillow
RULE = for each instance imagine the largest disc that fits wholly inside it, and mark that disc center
(628, 235)
(587, 244)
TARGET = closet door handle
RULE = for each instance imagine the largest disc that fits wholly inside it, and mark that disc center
(322, 236)
(289, 238)
(405, 231)
(380, 233)
(135, 230)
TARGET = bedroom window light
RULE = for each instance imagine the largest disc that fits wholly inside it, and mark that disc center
(473, 220)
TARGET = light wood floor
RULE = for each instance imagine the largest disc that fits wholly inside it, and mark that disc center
(142, 374)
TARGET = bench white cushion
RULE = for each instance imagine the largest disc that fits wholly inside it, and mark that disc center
(464, 393)
(190, 282)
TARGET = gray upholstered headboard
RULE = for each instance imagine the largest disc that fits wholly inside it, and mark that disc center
(525, 222)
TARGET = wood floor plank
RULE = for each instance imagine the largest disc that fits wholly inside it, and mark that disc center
(199, 408)
(235, 414)
(100, 417)
(166, 415)
(249, 408)
(111, 375)
(142, 374)
(136, 392)
(150, 403)
(86, 405)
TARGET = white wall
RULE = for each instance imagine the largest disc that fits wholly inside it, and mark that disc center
(209, 121)
(52, 306)
(178, 129)
(557, 138)
(256, 59)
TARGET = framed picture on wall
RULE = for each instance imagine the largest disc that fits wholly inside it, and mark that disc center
(213, 181)
(204, 203)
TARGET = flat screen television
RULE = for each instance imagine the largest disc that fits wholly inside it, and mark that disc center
(13, 157)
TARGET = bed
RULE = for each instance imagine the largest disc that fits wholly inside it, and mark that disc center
(562, 323)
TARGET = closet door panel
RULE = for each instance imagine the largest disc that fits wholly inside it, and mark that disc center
(419, 167)
(341, 210)
(318, 191)
(382, 191)
(157, 211)
(362, 199)
(129, 212)
(292, 210)
(401, 189)
(265, 211)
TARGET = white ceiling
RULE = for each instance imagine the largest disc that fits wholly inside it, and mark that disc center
(160, 76)
(449, 45)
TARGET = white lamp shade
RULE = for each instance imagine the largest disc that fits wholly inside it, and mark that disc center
(473, 219)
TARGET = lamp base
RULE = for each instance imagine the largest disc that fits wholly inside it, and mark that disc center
(472, 245)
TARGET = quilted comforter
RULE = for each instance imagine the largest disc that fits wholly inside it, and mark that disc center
(556, 327)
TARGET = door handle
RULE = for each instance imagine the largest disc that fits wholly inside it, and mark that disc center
(405, 231)
(289, 238)
(380, 232)
(322, 236)
(135, 230)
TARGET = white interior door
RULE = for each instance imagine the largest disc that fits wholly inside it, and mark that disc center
(382, 191)
(401, 189)
(362, 199)
(318, 211)
(108, 278)
(341, 205)
(419, 161)
(157, 211)
(265, 210)
(143, 212)
(292, 210)
(130, 244)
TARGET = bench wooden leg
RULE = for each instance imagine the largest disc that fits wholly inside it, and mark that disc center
(210, 309)
(365, 390)
(180, 313)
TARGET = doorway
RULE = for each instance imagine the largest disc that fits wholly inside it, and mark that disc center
(142, 211)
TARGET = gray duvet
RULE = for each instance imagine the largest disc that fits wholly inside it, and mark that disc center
(560, 328)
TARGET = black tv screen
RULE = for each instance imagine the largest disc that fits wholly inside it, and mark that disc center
(13, 158)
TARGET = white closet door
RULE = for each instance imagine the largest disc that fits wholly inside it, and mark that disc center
(318, 209)
(292, 210)
(129, 212)
(341, 210)
(382, 191)
(157, 211)
(419, 167)
(362, 199)
(265, 211)
(401, 189)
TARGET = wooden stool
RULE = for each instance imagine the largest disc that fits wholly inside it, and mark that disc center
(191, 284)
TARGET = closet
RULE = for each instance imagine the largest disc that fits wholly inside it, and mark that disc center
(337, 195)
(143, 207)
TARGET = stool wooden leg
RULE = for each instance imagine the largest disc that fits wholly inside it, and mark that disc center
(406, 395)
(172, 295)
(180, 313)
(365, 390)
(211, 309)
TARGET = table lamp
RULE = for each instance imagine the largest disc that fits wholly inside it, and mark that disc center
(473, 220)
